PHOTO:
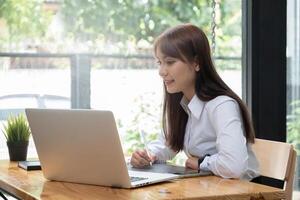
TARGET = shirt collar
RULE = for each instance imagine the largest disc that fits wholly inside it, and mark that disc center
(195, 106)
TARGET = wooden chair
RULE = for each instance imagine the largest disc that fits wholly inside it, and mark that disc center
(277, 160)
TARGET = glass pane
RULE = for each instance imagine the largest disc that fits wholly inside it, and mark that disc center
(31, 83)
(293, 84)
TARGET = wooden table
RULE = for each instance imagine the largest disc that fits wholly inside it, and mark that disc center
(32, 185)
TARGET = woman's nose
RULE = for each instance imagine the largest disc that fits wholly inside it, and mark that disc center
(162, 71)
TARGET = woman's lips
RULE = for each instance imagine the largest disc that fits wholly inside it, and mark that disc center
(168, 82)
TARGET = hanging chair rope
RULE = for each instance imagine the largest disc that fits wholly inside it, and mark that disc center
(213, 27)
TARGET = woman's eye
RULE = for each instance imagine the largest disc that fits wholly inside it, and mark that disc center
(158, 62)
(170, 62)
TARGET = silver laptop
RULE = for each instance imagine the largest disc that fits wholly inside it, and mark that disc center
(83, 146)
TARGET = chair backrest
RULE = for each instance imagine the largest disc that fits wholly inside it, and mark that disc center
(277, 160)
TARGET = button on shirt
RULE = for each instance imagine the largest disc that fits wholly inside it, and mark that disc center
(214, 128)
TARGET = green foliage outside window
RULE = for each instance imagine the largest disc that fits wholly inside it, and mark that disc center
(143, 20)
(24, 18)
(118, 22)
(145, 115)
(293, 126)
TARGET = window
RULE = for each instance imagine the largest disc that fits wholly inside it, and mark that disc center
(293, 83)
(98, 54)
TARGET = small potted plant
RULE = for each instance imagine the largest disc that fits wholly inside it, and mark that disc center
(17, 134)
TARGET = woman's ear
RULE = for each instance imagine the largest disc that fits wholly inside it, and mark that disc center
(196, 63)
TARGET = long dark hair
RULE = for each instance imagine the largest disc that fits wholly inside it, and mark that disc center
(189, 43)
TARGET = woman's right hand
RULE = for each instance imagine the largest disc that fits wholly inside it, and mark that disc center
(140, 158)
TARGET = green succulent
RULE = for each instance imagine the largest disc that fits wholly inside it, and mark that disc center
(17, 129)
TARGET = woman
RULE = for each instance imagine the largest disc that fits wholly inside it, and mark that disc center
(201, 115)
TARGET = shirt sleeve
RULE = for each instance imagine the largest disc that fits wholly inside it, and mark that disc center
(231, 159)
(160, 149)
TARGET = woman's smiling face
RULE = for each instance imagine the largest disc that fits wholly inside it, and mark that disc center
(177, 75)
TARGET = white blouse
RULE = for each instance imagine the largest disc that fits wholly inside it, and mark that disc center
(216, 128)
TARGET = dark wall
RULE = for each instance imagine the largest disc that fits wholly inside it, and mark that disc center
(264, 52)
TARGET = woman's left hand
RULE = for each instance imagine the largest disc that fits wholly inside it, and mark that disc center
(192, 162)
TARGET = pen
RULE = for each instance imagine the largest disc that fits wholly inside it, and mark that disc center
(143, 139)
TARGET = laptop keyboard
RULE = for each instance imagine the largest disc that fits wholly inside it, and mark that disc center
(133, 179)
